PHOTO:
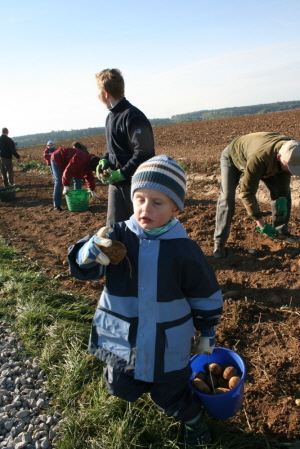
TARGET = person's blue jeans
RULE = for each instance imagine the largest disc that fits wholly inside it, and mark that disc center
(57, 178)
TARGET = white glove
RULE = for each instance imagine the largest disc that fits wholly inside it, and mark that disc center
(91, 251)
(94, 194)
(205, 345)
(65, 190)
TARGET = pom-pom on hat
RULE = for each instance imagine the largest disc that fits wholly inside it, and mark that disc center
(164, 174)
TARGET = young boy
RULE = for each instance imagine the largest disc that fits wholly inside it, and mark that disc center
(153, 299)
(129, 141)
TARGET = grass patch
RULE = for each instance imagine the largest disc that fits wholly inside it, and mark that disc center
(54, 326)
(40, 168)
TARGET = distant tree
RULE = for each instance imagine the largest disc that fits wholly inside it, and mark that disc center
(75, 134)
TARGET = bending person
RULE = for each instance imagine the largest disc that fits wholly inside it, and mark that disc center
(268, 157)
(68, 163)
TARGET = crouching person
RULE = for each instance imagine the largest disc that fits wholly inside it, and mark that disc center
(153, 300)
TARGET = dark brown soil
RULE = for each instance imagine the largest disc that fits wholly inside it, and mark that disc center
(261, 288)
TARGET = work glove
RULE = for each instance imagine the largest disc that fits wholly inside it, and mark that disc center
(113, 176)
(91, 251)
(205, 345)
(103, 165)
(66, 190)
(281, 208)
(269, 231)
(94, 194)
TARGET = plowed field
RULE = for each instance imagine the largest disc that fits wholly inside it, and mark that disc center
(261, 288)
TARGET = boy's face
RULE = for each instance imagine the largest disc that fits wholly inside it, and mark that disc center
(152, 208)
(103, 97)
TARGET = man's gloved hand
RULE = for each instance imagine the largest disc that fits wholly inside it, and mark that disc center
(269, 231)
(91, 251)
(281, 208)
(65, 190)
(94, 194)
(103, 165)
(205, 345)
(113, 176)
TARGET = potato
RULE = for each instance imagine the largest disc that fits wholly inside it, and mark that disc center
(201, 375)
(223, 383)
(215, 368)
(201, 386)
(220, 390)
(116, 252)
(213, 381)
(234, 381)
(229, 372)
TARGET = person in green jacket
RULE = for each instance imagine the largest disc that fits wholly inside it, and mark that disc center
(263, 156)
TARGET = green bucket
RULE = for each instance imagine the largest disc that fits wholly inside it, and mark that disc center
(78, 200)
(7, 193)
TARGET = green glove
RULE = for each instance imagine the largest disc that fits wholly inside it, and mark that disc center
(112, 177)
(269, 231)
(281, 209)
(103, 165)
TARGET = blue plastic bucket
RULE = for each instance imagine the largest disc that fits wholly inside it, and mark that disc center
(225, 405)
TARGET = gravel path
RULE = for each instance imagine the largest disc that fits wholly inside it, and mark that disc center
(25, 421)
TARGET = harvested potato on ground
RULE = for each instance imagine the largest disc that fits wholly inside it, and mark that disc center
(215, 369)
(234, 381)
(229, 372)
(201, 375)
(116, 252)
(211, 381)
(220, 390)
(201, 386)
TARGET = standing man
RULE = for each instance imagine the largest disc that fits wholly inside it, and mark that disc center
(268, 157)
(129, 141)
(7, 151)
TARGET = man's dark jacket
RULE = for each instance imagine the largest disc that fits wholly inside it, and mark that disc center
(8, 148)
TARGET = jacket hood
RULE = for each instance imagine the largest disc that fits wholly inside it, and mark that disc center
(176, 232)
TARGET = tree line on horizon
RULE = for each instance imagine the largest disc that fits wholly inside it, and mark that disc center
(58, 136)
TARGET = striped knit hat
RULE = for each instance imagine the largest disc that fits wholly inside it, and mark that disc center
(164, 174)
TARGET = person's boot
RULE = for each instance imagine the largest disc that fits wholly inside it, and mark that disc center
(197, 436)
(219, 250)
(286, 236)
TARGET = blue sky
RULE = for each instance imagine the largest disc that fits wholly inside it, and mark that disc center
(176, 56)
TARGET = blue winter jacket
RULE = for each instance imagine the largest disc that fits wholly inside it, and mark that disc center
(152, 302)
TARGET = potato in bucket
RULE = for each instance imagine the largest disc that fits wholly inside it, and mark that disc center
(224, 403)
